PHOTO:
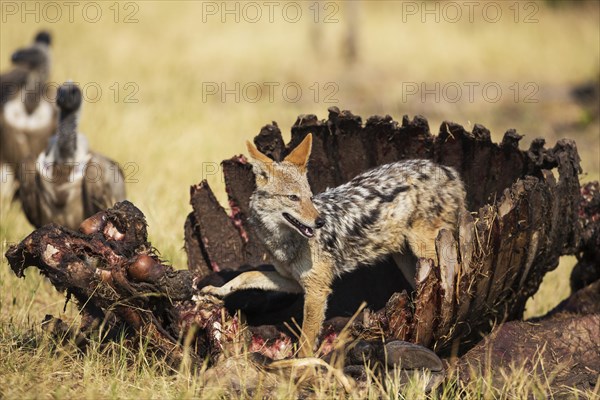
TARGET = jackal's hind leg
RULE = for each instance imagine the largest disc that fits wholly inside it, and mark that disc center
(264, 280)
(421, 240)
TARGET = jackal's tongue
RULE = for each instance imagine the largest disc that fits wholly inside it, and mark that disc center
(303, 229)
(307, 231)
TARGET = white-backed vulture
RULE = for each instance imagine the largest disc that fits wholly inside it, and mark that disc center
(28, 116)
(68, 182)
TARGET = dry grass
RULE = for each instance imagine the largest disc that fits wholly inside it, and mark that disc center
(173, 138)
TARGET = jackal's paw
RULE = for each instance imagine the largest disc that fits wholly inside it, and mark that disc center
(215, 291)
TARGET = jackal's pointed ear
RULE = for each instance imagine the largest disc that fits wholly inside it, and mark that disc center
(260, 162)
(300, 155)
(256, 154)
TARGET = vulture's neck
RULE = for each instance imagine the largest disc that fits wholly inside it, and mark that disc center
(67, 135)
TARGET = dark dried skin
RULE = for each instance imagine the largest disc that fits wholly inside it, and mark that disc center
(566, 341)
(525, 204)
(95, 268)
(587, 269)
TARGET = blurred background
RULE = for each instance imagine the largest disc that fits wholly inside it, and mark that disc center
(171, 88)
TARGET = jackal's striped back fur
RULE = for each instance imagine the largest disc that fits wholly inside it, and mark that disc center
(380, 211)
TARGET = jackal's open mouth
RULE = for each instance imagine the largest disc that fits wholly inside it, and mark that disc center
(303, 229)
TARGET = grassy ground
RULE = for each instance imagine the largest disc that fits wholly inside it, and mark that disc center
(149, 106)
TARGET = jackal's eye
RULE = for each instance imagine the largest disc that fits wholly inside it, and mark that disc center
(293, 197)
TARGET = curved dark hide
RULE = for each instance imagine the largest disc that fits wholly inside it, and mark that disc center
(523, 205)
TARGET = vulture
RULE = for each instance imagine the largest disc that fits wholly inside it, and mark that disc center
(27, 116)
(68, 182)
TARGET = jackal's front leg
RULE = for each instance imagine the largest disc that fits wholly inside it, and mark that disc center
(264, 280)
(317, 287)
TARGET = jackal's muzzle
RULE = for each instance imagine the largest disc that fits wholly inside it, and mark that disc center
(302, 228)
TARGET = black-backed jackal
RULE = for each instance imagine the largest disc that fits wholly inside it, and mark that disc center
(315, 239)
